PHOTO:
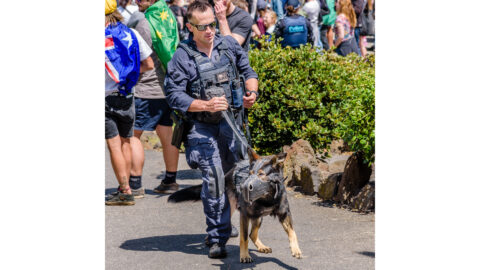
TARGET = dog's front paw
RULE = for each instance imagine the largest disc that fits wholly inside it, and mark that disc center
(265, 249)
(296, 253)
(246, 259)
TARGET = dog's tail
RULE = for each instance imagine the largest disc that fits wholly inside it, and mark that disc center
(187, 194)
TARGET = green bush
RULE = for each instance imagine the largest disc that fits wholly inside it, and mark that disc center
(319, 98)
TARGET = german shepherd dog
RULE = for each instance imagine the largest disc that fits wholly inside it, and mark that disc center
(254, 187)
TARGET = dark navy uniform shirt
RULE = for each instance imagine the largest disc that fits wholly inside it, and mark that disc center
(181, 70)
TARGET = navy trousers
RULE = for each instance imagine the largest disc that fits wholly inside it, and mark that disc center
(213, 149)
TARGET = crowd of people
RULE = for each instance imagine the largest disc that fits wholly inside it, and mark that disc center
(321, 23)
(208, 84)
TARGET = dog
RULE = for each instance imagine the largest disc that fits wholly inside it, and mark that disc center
(255, 187)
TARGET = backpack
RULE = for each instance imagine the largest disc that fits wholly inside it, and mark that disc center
(122, 56)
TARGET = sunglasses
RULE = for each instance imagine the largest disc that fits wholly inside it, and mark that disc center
(204, 27)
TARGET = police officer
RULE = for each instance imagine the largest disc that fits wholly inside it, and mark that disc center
(295, 29)
(202, 81)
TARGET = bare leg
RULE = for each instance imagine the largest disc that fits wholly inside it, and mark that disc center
(361, 44)
(138, 155)
(244, 256)
(292, 237)
(254, 236)
(330, 36)
(120, 156)
(170, 152)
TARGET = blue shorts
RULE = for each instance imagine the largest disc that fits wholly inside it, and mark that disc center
(151, 112)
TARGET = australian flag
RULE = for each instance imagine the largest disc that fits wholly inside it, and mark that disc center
(122, 56)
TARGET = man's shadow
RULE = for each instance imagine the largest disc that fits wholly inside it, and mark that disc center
(194, 244)
(191, 174)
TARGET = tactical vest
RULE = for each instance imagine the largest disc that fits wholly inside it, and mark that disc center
(295, 32)
(215, 79)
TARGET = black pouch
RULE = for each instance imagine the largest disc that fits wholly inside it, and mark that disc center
(179, 131)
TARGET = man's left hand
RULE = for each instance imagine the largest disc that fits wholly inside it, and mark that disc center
(249, 99)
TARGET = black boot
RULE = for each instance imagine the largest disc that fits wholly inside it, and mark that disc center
(217, 251)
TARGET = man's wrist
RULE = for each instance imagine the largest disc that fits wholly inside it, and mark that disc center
(253, 91)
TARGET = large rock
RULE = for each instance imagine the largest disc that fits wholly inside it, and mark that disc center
(355, 176)
(310, 179)
(337, 163)
(365, 199)
(299, 154)
(328, 186)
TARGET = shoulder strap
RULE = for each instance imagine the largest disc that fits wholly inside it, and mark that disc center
(196, 55)
(223, 49)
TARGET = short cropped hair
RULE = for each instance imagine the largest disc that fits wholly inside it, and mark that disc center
(198, 5)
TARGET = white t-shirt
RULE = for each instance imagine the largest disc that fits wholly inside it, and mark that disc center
(145, 51)
(312, 8)
(126, 13)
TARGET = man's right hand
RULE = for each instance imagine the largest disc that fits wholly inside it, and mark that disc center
(216, 104)
(220, 10)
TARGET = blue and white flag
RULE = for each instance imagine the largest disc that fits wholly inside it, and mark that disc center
(122, 56)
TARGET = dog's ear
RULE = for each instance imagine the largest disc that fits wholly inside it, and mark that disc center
(252, 155)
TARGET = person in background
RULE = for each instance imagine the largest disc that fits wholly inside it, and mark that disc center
(278, 7)
(312, 9)
(181, 15)
(295, 29)
(151, 113)
(126, 56)
(126, 9)
(326, 30)
(345, 42)
(359, 7)
(235, 22)
(242, 4)
(261, 8)
(270, 19)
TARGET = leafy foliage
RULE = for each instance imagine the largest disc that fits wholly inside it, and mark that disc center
(312, 96)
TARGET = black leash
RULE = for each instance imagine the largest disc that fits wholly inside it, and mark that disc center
(226, 115)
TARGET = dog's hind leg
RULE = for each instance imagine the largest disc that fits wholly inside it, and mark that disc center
(254, 236)
(292, 236)
(244, 256)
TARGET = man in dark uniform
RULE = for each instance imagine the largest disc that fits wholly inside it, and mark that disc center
(201, 80)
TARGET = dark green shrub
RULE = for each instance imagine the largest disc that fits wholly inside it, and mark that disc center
(306, 95)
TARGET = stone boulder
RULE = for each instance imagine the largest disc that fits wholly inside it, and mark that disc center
(328, 186)
(364, 201)
(310, 179)
(355, 176)
(299, 154)
(337, 163)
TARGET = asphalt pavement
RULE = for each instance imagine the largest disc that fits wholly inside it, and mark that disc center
(154, 234)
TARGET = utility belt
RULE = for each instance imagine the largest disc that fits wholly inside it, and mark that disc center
(183, 123)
